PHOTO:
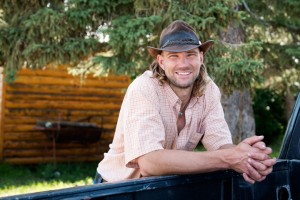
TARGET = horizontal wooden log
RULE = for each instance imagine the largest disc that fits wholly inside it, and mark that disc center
(54, 152)
(42, 136)
(61, 98)
(56, 72)
(31, 120)
(67, 91)
(25, 136)
(58, 113)
(8, 128)
(103, 83)
(45, 104)
(22, 123)
(63, 159)
(9, 144)
(49, 145)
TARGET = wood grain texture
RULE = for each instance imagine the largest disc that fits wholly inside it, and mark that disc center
(54, 95)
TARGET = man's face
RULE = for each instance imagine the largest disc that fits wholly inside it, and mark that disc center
(182, 69)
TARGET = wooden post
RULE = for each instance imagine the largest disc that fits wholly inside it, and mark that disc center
(2, 101)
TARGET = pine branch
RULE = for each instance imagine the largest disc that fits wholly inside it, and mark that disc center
(274, 24)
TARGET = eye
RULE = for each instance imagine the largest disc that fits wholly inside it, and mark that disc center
(172, 55)
(192, 54)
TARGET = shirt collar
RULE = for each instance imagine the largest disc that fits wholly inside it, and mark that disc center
(173, 98)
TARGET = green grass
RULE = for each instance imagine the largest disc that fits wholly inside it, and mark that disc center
(16, 179)
(276, 146)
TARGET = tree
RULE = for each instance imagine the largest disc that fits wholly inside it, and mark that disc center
(238, 104)
(39, 33)
(36, 33)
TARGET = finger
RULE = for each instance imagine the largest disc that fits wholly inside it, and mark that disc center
(269, 162)
(248, 179)
(262, 178)
(266, 172)
(266, 150)
(253, 173)
(258, 156)
(258, 175)
(259, 166)
(260, 145)
(254, 139)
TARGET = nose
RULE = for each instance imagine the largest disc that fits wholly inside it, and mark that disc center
(183, 61)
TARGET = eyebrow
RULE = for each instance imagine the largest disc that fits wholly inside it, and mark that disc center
(192, 51)
(189, 51)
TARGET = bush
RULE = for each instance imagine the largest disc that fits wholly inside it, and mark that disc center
(269, 114)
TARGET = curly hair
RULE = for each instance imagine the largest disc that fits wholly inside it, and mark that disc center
(199, 84)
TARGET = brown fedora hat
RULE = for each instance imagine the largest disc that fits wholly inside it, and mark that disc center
(179, 37)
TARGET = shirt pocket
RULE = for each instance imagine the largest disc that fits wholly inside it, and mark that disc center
(194, 139)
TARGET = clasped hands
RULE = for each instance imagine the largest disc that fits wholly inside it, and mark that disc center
(257, 163)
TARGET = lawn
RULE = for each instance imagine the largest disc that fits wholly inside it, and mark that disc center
(17, 179)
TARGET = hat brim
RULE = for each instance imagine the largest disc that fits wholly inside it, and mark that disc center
(204, 47)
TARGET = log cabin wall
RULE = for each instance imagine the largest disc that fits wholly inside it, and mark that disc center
(54, 96)
(1, 108)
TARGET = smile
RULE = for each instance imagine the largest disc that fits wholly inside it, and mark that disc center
(183, 73)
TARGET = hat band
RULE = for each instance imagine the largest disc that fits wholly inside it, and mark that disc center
(181, 42)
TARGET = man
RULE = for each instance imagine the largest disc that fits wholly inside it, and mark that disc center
(168, 110)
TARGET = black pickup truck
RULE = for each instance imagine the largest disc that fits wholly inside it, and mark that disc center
(282, 184)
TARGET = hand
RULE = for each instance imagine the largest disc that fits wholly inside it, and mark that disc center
(238, 159)
(259, 165)
(258, 169)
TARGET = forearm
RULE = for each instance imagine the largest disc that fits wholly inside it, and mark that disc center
(164, 162)
(227, 146)
(235, 157)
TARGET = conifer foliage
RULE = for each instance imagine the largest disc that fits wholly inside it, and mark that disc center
(36, 33)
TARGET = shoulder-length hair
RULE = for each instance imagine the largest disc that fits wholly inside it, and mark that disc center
(199, 84)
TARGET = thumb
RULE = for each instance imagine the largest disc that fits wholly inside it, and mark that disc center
(254, 139)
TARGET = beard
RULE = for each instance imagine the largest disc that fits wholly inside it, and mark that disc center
(180, 85)
(176, 83)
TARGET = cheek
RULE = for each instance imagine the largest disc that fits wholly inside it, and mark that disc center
(165, 65)
(197, 64)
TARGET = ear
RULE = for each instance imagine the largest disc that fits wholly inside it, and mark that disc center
(160, 60)
(201, 57)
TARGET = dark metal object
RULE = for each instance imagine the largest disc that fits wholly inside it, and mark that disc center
(65, 132)
(290, 148)
(282, 184)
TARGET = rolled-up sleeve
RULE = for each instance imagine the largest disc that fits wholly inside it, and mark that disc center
(143, 127)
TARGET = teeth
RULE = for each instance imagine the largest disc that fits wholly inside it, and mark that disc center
(183, 73)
